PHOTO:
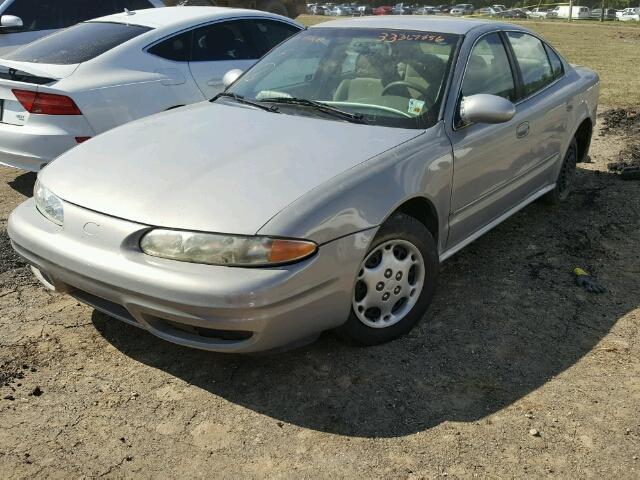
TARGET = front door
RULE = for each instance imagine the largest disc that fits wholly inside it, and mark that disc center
(485, 156)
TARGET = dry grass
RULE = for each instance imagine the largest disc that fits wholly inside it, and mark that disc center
(611, 49)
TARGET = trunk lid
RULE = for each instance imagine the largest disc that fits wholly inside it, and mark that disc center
(25, 76)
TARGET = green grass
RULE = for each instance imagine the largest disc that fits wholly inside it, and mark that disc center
(612, 49)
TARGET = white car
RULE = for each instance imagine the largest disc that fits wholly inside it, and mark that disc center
(538, 12)
(630, 14)
(23, 21)
(70, 86)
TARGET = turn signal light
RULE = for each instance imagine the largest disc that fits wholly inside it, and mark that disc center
(288, 250)
(46, 103)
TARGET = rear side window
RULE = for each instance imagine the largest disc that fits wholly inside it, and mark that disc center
(223, 41)
(77, 44)
(533, 61)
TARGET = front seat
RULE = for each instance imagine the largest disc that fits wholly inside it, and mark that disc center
(366, 84)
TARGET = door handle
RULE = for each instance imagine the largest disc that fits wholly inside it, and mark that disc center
(522, 130)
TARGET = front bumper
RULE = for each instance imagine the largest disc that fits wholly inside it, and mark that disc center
(214, 308)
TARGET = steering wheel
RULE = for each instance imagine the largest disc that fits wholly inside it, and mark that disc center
(402, 83)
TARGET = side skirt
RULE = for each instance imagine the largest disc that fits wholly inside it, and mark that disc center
(478, 233)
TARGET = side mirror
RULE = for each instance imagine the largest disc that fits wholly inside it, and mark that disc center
(10, 22)
(483, 108)
(230, 77)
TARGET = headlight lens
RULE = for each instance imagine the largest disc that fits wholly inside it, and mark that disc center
(48, 204)
(218, 249)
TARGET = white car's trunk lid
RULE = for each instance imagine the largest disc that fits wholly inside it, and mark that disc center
(25, 76)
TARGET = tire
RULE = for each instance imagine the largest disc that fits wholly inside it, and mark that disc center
(566, 176)
(400, 232)
(273, 6)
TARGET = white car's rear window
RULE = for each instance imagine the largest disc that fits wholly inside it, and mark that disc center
(77, 44)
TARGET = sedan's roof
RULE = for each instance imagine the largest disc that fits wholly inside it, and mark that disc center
(180, 17)
(458, 26)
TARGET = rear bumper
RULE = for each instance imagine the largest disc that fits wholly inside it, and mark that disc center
(33, 145)
(208, 307)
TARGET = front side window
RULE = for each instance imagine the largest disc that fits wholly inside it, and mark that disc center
(37, 14)
(269, 33)
(54, 14)
(77, 44)
(389, 77)
(532, 60)
(488, 70)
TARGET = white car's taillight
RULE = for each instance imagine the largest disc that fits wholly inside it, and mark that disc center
(46, 103)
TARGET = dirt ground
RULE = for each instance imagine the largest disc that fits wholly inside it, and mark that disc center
(516, 371)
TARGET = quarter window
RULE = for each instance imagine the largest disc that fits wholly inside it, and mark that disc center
(532, 60)
(556, 63)
(488, 70)
(176, 48)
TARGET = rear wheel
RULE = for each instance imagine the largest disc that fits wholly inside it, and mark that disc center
(394, 284)
(564, 182)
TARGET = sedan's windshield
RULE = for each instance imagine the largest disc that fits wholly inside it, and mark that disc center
(385, 77)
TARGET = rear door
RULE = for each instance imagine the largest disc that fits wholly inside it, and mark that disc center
(223, 46)
(542, 108)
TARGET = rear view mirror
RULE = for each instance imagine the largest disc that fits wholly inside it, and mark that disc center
(10, 22)
(230, 77)
(483, 108)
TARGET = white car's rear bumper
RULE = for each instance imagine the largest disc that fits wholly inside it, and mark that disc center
(40, 140)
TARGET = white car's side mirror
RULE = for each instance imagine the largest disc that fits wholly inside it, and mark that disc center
(10, 22)
(484, 108)
(230, 77)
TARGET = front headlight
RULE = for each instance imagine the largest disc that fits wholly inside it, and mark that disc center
(219, 249)
(48, 204)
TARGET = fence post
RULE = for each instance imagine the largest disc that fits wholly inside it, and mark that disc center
(570, 10)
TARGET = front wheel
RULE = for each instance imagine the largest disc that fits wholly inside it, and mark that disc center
(394, 284)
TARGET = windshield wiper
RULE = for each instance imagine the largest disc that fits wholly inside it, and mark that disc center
(323, 107)
(241, 99)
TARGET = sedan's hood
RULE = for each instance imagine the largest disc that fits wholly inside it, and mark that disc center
(212, 167)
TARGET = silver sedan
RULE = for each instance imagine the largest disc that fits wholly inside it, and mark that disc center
(320, 191)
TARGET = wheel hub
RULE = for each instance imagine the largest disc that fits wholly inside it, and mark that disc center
(389, 283)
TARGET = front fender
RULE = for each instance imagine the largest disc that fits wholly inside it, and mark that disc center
(365, 195)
